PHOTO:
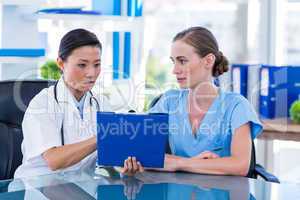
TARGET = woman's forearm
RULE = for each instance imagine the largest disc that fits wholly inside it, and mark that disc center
(70, 154)
(219, 166)
(236, 164)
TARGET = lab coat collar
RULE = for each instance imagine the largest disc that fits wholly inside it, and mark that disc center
(65, 95)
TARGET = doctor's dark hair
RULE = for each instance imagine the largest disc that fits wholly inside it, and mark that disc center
(75, 39)
(204, 43)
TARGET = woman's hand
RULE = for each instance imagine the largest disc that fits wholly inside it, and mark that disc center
(207, 155)
(131, 167)
(171, 163)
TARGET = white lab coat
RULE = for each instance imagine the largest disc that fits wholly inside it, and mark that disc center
(42, 128)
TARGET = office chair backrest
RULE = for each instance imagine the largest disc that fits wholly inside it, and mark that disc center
(251, 171)
(15, 96)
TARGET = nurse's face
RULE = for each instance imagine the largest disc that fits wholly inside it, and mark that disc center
(189, 68)
(81, 69)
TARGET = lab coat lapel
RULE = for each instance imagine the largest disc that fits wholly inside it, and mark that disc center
(66, 101)
(89, 110)
(87, 107)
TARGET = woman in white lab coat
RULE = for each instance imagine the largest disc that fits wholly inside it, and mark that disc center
(59, 125)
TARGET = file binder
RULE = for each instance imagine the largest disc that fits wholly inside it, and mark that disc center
(245, 81)
(239, 76)
(244, 77)
(280, 87)
(143, 136)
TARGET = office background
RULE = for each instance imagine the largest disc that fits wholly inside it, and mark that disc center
(250, 32)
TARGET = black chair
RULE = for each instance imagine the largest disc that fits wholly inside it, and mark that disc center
(15, 96)
(255, 169)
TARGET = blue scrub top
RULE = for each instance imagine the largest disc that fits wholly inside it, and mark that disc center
(228, 112)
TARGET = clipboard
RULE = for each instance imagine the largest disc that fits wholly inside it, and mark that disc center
(143, 136)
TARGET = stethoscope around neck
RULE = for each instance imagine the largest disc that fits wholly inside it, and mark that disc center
(92, 98)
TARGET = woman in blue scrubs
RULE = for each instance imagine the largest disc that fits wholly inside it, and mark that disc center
(210, 129)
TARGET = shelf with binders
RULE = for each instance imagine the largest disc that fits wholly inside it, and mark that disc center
(18, 59)
(280, 87)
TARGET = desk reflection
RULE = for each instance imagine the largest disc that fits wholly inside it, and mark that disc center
(180, 187)
(148, 185)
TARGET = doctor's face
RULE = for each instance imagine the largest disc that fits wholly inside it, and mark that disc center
(81, 69)
(190, 68)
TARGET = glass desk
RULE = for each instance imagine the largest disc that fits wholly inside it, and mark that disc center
(148, 185)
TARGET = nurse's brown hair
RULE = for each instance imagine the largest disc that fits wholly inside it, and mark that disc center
(204, 43)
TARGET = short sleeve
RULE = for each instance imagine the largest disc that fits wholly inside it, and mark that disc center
(243, 113)
(41, 126)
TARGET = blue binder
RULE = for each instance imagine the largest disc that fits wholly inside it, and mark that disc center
(280, 87)
(143, 136)
(239, 78)
(135, 8)
(243, 78)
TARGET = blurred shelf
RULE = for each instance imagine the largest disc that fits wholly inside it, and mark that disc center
(280, 129)
(15, 59)
(281, 125)
(9, 55)
(109, 22)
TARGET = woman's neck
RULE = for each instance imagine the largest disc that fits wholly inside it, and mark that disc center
(203, 94)
(76, 93)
